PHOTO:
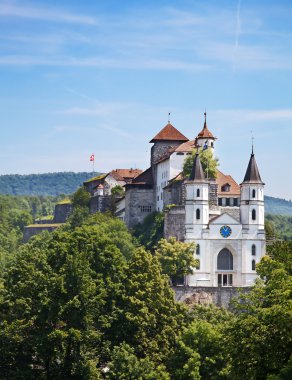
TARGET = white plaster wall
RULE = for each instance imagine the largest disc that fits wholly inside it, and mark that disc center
(162, 178)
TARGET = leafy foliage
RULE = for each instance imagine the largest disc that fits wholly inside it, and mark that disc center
(209, 163)
(259, 338)
(70, 297)
(176, 258)
(150, 231)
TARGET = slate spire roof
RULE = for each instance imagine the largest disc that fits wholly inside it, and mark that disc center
(252, 174)
(197, 173)
(169, 133)
(205, 133)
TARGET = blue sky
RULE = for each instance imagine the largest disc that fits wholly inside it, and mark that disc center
(78, 77)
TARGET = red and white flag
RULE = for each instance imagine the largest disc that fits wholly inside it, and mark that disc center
(91, 157)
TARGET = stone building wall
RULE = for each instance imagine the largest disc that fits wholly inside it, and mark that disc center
(160, 148)
(137, 201)
(174, 223)
(232, 211)
(219, 296)
(35, 229)
(62, 212)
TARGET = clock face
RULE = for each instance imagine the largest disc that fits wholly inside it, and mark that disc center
(225, 231)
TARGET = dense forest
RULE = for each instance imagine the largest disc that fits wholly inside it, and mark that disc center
(43, 184)
(90, 301)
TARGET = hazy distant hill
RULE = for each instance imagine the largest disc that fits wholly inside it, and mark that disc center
(43, 184)
(277, 206)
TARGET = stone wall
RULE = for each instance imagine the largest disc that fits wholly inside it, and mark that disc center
(174, 223)
(136, 199)
(232, 211)
(62, 212)
(219, 296)
(160, 149)
(35, 229)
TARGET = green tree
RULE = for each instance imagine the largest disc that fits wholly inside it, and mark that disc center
(176, 258)
(118, 191)
(69, 297)
(259, 338)
(209, 163)
(125, 365)
(150, 231)
(200, 353)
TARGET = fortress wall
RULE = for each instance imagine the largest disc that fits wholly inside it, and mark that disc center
(218, 296)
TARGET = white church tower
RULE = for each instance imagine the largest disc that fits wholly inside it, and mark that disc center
(252, 198)
(205, 138)
(197, 202)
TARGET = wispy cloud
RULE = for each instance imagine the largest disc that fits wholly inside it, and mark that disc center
(109, 63)
(12, 9)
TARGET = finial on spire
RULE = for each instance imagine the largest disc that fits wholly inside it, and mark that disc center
(205, 114)
(168, 117)
(252, 140)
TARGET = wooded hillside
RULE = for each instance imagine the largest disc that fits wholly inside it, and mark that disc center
(43, 184)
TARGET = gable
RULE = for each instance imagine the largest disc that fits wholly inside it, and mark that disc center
(223, 219)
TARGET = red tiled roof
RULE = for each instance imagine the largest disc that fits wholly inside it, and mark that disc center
(222, 180)
(205, 133)
(125, 174)
(187, 146)
(169, 133)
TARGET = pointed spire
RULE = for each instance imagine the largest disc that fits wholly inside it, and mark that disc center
(252, 174)
(197, 173)
(205, 133)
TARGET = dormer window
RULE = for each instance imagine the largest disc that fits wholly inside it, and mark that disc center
(225, 187)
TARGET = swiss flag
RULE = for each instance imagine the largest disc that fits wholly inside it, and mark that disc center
(91, 157)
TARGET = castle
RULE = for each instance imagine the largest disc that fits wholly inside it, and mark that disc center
(224, 219)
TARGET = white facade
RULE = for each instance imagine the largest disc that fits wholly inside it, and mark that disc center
(241, 271)
(167, 170)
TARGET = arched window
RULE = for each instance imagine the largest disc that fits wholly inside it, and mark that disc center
(253, 214)
(198, 214)
(253, 193)
(212, 144)
(253, 250)
(198, 192)
(253, 265)
(225, 260)
(198, 249)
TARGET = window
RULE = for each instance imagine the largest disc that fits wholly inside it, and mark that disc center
(220, 201)
(145, 208)
(198, 249)
(253, 193)
(227, 201)
(225, 187)
(198, 214)
(179, 154)
(235, 201)
(225, 279)
(253, 250)
(198, 192)
(212, 144)
(253, 214)
(198, 265)
(253, 265)
(225, 260)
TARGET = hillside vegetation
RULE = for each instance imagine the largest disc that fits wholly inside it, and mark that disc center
(277, 206)
(43, 184)
(88, 302)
